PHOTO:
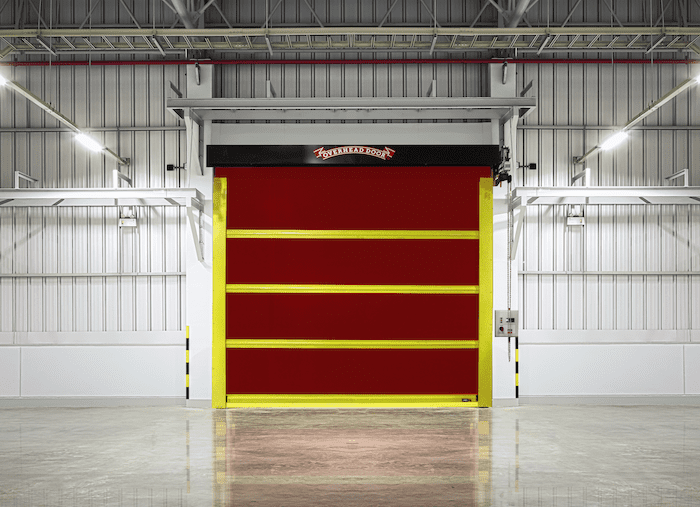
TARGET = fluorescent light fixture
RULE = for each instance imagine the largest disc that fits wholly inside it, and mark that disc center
(697, 78)
(614, 140)
(157, 44)
(89, 142)
(3, 81)
(432, 44)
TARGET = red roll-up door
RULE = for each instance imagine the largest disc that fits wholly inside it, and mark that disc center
(352, 286)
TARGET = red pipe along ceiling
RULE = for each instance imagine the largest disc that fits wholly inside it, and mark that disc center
(341, 62)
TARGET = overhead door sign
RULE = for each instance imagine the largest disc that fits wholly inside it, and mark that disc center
(384, 154)
(401, 155)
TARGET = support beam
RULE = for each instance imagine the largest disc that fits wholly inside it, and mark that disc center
(183, 14)
(684, 173)
(131, 15)
(194, 217)
(612, 12)
(344, 30)
(386, 16)
(46, 44)
(478, 16)
(571, 13)
(24, 176)
(221, 13)
(118, 176)
(432, 14)
(518, 13)
(269, 15)
(89, 16)
(313, 13)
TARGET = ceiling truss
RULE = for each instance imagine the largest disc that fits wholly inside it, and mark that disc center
(320, 39)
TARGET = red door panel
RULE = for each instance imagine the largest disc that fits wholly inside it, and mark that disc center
(317, 197)
(353, 261)
(352, 371)
(353, 316)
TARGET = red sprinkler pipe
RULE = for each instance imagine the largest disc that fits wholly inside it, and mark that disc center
(343, 62)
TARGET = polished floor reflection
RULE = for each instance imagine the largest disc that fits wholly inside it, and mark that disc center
(529, 455)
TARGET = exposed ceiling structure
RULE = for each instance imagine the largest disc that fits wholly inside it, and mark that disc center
(218, 29)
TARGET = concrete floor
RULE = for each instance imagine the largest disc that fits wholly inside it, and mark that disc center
(530, 455)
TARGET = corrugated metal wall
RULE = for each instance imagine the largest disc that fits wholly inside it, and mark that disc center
(126, 105)
(578, 107)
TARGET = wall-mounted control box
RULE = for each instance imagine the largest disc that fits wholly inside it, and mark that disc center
(506, 323)
(127, 222)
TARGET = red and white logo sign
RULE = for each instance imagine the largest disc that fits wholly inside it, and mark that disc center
(384, 154)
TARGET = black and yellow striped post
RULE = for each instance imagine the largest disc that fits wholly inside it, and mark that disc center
(187, 362)
(517, 370)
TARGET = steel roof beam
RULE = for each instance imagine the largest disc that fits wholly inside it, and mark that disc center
(344, 30)
(518, 13)
(183, 13)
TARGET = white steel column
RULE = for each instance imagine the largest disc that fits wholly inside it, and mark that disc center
(199, 274)
(502, 84)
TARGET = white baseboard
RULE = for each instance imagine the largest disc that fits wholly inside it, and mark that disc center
(671, 399)
(89, 401)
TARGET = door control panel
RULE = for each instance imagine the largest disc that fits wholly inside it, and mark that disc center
(506, 323)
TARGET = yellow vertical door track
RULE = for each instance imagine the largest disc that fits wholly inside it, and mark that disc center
(218, 352)
(483, 342)
(485, 291)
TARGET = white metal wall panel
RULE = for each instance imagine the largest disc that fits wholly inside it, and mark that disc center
(103, 371)
(550, 370)
(692, 359)
(9, 371)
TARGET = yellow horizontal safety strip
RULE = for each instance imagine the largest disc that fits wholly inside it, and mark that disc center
(350, 400)
(281, 343)
(517, 379)
(280, 288)
(348, 234)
